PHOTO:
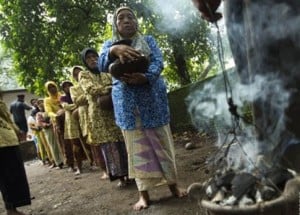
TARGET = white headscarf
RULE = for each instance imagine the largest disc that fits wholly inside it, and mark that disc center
(138, 41)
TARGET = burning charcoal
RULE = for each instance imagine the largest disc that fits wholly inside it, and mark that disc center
(294, 173)
(245, 201)
(278, 177)
(269, 193)
(211, 190)
(218, 198)
(232, 200)
(189, 146)
(252, 193)
(225, 179)
(258, 197)
(242, 183)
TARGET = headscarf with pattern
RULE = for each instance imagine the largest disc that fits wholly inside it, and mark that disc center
(73, 72)
(138, 41)
(84, 52)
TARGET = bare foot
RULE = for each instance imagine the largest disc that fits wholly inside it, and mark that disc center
(129, 180)
(143, 201)
(52, 166)
(93, 168)
(104, 176)
(78, 172)
(176, 191)
(14, 212)
(71, 169)
(121, 183)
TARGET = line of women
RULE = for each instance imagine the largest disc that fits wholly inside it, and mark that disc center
(76, 128)
(128, 137)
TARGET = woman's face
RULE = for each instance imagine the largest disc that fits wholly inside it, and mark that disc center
(40, 104)
(91, 60)
(52, 89)
(66, 87)
(33, 102)
(126, 23)
(76, 72)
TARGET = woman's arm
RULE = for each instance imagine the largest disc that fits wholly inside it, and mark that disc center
(48, 108)
(68, 107)
(104, 58)
(89, 86)
(156, 60)
(78, 97)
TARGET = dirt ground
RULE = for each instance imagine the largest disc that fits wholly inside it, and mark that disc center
(59, 192)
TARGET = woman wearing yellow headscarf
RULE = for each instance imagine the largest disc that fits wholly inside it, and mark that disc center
(52, 106)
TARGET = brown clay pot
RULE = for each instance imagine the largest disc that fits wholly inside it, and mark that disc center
(117, 69)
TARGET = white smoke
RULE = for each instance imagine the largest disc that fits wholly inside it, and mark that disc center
(209, 105)
(266, 25)
(176, 15)
(276, 20)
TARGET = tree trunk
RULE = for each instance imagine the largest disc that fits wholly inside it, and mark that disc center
(182, 69)
(179, 60)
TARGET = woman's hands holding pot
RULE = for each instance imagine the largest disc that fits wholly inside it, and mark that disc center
(134, 78)
(124, 52)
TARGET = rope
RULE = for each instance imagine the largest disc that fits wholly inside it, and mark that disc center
(233, 107)
(228, 88)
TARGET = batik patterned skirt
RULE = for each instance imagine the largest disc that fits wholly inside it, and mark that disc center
(151, 156)
(115, 157)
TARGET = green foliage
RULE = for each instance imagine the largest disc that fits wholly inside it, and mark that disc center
(6, 82)
(47, 36)
(183, 34)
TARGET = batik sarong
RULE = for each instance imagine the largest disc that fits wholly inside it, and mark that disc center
(151, 157)
(115, 157)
